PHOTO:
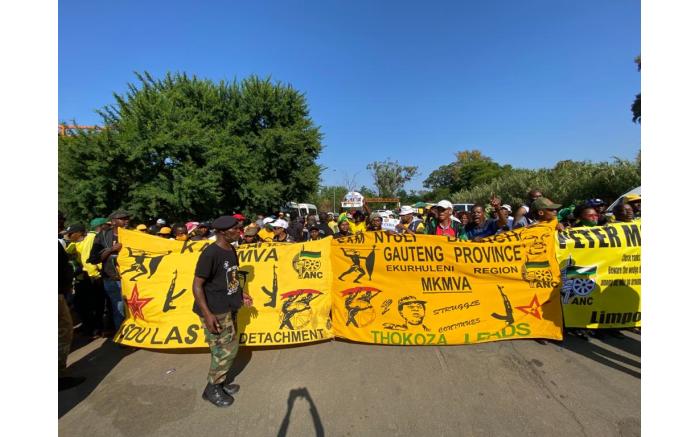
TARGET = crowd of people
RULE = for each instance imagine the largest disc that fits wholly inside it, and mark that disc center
(478, 222)
(89, 278)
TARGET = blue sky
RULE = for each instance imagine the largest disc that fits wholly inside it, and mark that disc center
(527, 83)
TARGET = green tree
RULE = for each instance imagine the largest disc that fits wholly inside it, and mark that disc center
(327, 195)
(637, 104)
(470, 169)
(368, 192)
(444, 178)
(475, 168)
(413, 196)
(181, 147)
(569, 182)
(389, 176)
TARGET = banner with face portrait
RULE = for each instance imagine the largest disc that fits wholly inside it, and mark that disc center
(289, 284)
(433, 290)
(393, 289)
(601, 271)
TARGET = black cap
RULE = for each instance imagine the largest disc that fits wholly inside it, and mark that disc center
(314, 228)
(75, 228)
(119, 214)
(595, 202)
(224, 222)
(204, 225)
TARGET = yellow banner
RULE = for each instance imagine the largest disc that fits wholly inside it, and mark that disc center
(291, 289)
(601, 274)
(289, 284)
(429, 290)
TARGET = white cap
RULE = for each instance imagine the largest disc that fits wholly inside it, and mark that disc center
(506, 206)
(267, 220)
(279, 223)
(406, 209)
(445, 204)
(527, 208)
(160, 222)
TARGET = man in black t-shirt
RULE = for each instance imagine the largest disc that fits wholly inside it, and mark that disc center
(217, 299)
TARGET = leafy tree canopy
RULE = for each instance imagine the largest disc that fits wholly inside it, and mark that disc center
(390, 177)
(181, 147)
(569, 182)
(328, 198)
(470, 169)
(637, 104)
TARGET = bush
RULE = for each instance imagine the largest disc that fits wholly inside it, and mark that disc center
(569, 182)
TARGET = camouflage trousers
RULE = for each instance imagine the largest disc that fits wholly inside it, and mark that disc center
(223, 346)
(65, 333)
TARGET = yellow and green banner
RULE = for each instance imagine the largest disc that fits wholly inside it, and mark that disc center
(393, 289)
(601, 274)
(433, 290)
(289, 284)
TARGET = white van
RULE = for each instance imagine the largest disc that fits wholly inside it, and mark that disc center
(459, 207)
(637, 191)
(299, 210)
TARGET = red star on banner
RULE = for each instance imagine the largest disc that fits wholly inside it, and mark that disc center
(533, 309)
(136, 305)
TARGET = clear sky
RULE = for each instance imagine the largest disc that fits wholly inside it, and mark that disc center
(528, 83)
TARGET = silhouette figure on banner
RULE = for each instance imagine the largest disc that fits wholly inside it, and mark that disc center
(356, 267)
(358, 302)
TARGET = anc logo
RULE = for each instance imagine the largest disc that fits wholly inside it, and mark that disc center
(578, 282)
(537, 271)
(307, 264)
(538, 274)
(296, 309)
(358, 303)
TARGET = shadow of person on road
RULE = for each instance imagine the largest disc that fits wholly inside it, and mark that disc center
(620, 340)
(294, 394)
(95, 366)
(622, 306)
(602, 355)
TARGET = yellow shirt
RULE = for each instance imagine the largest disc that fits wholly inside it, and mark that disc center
(333, 225)
(82, 249)
(420, 228)
(355, 228)
(266, 235)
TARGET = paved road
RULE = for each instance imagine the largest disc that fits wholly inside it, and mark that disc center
(337, 388)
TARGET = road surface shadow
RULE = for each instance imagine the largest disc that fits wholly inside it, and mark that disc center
(94, 366)
(605, 356)
(295, 394)
(620, 340)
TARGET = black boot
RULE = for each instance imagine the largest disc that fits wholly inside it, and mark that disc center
(215, 394)
(231, 388)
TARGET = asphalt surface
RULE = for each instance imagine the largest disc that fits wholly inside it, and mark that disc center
(338, 388)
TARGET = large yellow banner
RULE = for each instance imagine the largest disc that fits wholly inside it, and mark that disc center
(394, 289)
(430, 290)
(289, 284)
(601, 273)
